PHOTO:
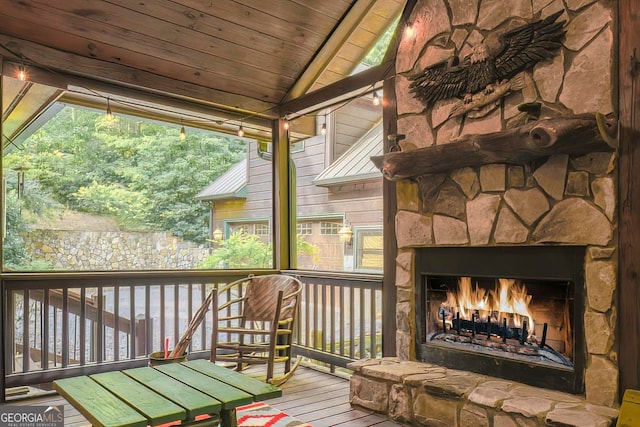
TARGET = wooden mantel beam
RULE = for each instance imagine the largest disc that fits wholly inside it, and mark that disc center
(574, 135)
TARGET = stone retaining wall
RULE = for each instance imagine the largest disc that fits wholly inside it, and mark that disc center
(113, 250)
(424, 394)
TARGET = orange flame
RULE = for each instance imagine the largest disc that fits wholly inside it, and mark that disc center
(509, 299)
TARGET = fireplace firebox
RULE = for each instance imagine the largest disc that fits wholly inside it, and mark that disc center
(510, 312)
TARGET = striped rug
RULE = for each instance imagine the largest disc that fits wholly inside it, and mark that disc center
(260, 414)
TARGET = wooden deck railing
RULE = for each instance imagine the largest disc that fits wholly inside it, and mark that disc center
(340, 317)
(64, 324)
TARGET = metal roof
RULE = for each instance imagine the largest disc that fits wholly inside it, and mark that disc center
(355, 164)
(231, 185)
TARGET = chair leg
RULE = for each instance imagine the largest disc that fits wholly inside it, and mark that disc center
(240, 353)
(272, 355)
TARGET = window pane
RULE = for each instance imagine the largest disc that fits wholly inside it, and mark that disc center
(304, 228)
(87, 193)
(370, 244)
(330, 227)
(339, 189)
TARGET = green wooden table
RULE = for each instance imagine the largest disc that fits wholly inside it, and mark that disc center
(162, 394)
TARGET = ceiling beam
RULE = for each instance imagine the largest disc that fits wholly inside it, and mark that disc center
(61, 62)
(342, 90)
(198, 110)
(338, 38)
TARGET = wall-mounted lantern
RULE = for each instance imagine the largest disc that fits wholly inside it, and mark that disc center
(218, 235)
(346, 234)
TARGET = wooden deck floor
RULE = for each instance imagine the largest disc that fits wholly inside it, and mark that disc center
(315, 397)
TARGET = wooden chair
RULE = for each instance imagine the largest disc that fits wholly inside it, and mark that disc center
(254, 323)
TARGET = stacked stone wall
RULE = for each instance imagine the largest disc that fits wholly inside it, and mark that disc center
(113, 250)
(559, 200)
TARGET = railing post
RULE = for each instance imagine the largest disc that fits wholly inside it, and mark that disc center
(141, 335)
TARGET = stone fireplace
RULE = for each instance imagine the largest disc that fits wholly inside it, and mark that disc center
(550, 220)
(514, 313)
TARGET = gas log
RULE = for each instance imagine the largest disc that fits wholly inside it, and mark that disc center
(574, 135)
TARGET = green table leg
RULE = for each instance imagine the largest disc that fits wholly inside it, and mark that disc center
(228, 418)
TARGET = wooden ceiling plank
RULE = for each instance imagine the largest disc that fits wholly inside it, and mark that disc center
(299, 15)
(376, 24)
(108, 53)
(335, 8)
(119, 74)
(340, 36)
(389, 9)
(328, 77)
(133, 41)
(198, 21)
(362, 38)
(130, 21)
(341, 66)
(242, 15)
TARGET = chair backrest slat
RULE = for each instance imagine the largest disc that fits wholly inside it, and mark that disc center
(262, 297)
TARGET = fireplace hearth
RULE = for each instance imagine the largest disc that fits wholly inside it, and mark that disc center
(510, 312)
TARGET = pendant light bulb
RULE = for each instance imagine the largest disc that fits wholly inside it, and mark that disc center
(240, 131)
(376, 99)
(109, 112)
(22, 74)
(323, 129)
(183, 134)
(286, 124)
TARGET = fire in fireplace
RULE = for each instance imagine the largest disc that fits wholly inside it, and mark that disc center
(514, 313)
(489, 315)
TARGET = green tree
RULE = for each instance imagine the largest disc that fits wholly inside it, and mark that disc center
(21, 213)
(244, 250)
(240, 250)
(136, 171)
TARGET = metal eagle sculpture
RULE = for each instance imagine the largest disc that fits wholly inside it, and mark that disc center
(521, 49)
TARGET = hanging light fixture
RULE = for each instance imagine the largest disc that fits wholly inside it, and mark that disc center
(109, 112)
(376, 98)
(240, 130)
(183, 133)
(22, 74)
(286, 124)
